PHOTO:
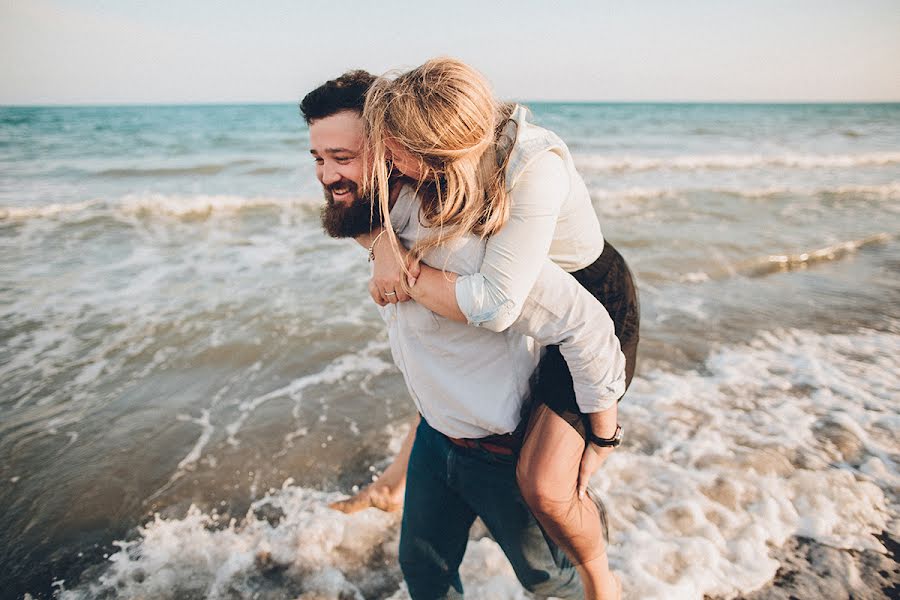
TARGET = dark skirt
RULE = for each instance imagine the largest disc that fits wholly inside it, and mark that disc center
(610, 281)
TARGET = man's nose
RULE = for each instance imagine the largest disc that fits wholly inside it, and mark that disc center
(330, 175)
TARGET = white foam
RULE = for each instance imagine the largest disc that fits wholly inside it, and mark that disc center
(742, 459)
(200, 555)
(694, 277)
(788, 435)
(365, 361)
(205, 434)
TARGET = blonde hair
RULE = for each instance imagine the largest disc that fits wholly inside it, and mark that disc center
(445, 115)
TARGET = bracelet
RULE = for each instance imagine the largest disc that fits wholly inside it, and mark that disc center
(372, 247)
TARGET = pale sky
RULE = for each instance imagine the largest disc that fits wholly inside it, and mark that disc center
(188, 51)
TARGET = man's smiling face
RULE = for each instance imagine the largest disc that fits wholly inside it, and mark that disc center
(336, 143)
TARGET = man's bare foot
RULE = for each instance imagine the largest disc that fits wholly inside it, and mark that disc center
(376, 495)
(386, 492)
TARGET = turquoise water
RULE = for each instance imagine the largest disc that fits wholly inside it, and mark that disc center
(70, 154)
(175, 329)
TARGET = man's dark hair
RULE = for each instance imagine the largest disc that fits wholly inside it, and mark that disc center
(347, 92)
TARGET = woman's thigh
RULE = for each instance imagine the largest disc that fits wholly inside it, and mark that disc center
(551, 456)
(610, 281)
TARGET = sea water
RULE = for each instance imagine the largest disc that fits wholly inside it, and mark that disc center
(190, 370)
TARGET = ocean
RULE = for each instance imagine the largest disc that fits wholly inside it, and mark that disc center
(190, 370)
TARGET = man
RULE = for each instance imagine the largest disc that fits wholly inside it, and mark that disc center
(468, 383)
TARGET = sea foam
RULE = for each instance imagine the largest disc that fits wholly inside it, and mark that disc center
(789, 435)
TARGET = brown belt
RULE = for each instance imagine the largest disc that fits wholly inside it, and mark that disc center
(506, 444)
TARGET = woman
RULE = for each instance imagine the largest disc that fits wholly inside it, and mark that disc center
(480, 167)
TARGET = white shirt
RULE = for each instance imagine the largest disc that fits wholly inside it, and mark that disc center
(470, 382)
(550, 215)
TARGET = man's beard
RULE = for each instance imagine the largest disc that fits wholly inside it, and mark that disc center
(341, 220)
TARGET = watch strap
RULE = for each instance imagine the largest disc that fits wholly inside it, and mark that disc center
(610, 442)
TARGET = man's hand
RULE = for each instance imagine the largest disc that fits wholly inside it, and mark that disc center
(592, 459)
(386, 286)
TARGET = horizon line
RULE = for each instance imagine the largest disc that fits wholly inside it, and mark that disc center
(518, 100)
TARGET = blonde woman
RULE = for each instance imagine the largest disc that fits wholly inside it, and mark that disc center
(479, 166)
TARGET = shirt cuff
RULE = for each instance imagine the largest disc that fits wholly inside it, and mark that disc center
(481, 307)
(589, 401)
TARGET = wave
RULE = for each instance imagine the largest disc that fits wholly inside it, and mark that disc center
(205, 205)
(736, 161)
(209, 204)
(269, 171)
(776, 263)
(16, 213)
(779, 263)
(204, 169)
(721, 466)
(889, 191)
(161, 205)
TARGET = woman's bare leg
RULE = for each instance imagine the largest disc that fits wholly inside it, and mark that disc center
(386, 492)
(548, 478)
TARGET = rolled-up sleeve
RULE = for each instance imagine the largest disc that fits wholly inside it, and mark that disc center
(560, 311)
(493, 297)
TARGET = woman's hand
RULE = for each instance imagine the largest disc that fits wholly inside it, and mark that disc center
(385, 286)
(592, 459)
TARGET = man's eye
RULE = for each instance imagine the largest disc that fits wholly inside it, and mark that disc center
(319, 161)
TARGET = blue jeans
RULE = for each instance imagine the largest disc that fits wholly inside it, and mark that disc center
(447, 487)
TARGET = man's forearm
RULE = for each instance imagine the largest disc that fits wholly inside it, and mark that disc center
(603, 424)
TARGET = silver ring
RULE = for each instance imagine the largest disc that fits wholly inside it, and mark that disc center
(390, 293)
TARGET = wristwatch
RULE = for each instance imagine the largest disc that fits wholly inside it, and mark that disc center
(611, 442)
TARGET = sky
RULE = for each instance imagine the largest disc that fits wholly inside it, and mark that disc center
(199, 51)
